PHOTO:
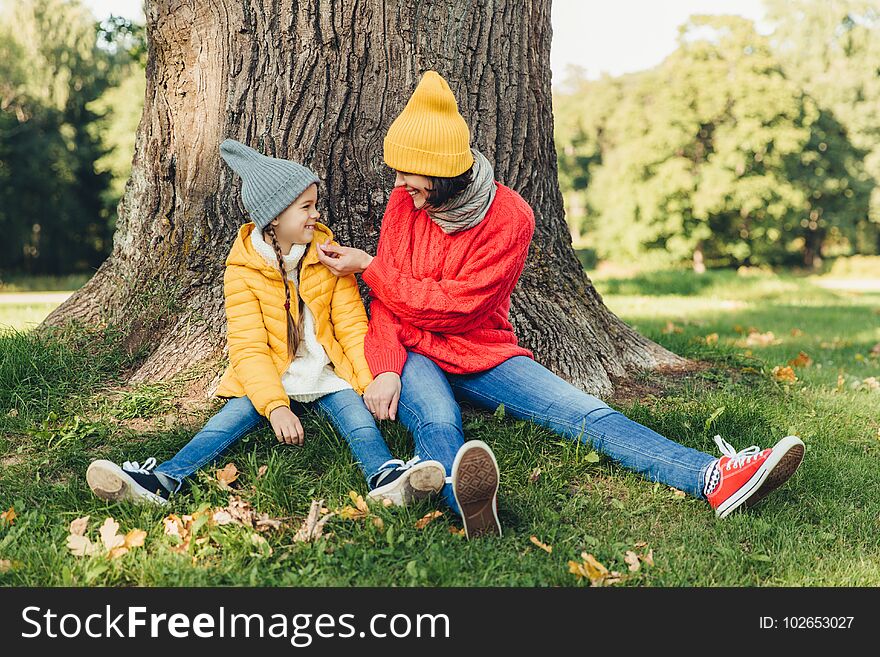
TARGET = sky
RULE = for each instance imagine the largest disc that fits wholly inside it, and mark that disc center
(600, 36)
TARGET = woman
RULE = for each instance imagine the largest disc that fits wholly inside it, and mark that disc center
(452, 246)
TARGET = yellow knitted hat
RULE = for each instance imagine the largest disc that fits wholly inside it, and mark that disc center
(430, 137)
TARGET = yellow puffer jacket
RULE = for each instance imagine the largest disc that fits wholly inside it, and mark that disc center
(257, 328)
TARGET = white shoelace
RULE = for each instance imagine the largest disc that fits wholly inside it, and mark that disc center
(146, 468)
(739, 458)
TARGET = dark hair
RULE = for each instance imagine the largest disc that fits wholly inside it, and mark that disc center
(294, 331)
(445, 189)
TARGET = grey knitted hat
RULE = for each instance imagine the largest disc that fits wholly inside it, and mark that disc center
(268, 184)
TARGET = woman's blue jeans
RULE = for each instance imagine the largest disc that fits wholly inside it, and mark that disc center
(429, 408)
(238, 417)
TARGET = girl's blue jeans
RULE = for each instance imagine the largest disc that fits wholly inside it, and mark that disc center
(429, 408)
(238, 417)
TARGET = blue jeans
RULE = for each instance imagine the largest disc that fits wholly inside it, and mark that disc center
(529, 391)
(238, 417)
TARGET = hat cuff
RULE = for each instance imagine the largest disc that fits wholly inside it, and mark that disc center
(426, 163)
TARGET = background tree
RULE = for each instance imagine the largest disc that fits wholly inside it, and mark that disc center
(715, 155)
(320, 83)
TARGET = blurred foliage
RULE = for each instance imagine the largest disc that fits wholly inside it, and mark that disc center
(738, 148)
(69, 104)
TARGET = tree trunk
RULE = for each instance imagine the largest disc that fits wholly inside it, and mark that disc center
(320, 82)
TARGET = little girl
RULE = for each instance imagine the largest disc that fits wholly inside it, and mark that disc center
(283, 356)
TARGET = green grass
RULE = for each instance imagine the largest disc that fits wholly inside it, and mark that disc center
(60, 407)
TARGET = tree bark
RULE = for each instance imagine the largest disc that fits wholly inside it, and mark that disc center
(320, 82)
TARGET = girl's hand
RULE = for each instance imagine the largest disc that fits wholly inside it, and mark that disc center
(287, 427)
(343, 260)
(382, 395)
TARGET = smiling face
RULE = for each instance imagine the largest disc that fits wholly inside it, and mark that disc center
(418, 187)
(296, 225)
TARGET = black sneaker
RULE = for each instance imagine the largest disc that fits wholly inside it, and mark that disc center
(133, 481)
(404, 482)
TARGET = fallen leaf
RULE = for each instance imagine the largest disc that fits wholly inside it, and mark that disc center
(796, 333)
(222, 517)
(547, 548)
(677, 493)
(672, 328)
(227, 475)
(712, 338)
(757, 339)
(386, 502)
(872, 383)
(313, 526)
(174, 526)
(641, 544)
(12, 413)
(875, 351)
(427, 518)
(378, 523)
(536, 474)
(648, 558)
(135, 538)
(8, 516)
(632, 560)
(591, 569)
(264, 523)
(78, 526)
(801, 360)
(117, 552)
(109, 534)
(80, 546)
(456, 531)
(5, 564)
(262, 470)
(784, 374)
(262, 545)
(738, 329)
(358, 511)
(241, 511)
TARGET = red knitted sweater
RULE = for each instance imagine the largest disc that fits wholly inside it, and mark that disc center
(446, 296)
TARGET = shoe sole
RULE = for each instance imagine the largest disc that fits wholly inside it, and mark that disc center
(422, 480)
(475, 479)
(110, 482)
(783, 462)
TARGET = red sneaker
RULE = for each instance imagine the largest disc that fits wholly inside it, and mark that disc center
(745, 477)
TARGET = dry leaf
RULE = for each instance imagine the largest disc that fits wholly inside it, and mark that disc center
(738, 329)
(386, 502)
(5, 564)
(547, 548)
(117, 552)
(110, 534)
(677, 493)
(672, 328)
(8, 516)
(428, 517)
(80, 546)
(262, 470)
(591, 569)
(313, 525)
(784, 374)
(801, 360)
(641, 544)
(875, 350)
(358, 511)
(757, 339)
(648, 558)
(456, 531)
(12, 413)
(222, 517)
(632, 560)
(135, 538)
(241, 511)
(796, 332)
(265, 523)
(78, 526)
(536, 474)
(712, 338)
(872, 383)
(227, 475)
(378, 523)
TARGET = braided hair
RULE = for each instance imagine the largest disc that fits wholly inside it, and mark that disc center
(294, 331)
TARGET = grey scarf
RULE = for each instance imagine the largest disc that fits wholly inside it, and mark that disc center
(470, 206)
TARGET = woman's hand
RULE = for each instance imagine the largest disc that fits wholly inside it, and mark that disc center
(287, 427)
(382, 395)
(343, 260)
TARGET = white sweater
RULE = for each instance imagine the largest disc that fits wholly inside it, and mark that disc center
(310, 374)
